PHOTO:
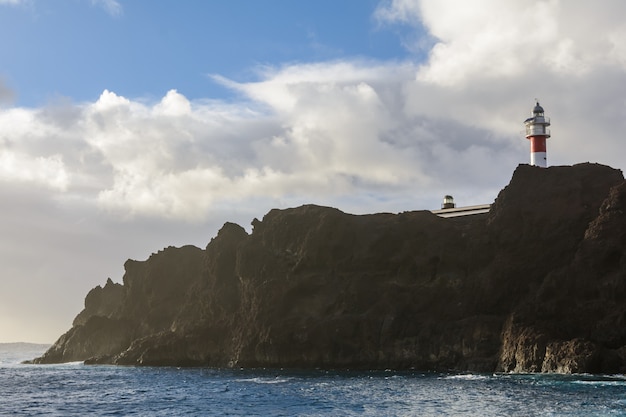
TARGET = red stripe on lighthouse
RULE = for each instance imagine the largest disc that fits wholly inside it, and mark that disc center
(537, 144)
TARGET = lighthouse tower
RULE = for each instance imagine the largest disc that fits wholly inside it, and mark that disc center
(537, 132)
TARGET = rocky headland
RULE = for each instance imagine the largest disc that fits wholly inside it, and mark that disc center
(536, 285)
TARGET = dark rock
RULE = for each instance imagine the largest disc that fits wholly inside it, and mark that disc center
(103, 302)
(579, 310)
(536, 285)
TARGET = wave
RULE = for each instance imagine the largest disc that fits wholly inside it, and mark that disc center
(467, 377)
(264, 380)
(601, 380)
(76, 363)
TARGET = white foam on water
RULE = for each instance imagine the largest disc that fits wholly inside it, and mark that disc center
(262, 380)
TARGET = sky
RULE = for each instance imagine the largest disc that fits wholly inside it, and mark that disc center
(127, 126)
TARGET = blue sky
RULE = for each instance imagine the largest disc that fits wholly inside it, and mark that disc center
(127, 126)
(75, 49)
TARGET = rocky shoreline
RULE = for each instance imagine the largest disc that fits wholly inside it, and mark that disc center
(536, 285)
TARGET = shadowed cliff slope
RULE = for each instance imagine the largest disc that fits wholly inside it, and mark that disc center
(538, 284)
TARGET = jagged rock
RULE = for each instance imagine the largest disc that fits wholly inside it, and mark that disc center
(103, 302)
(579, 309)
(536, 285)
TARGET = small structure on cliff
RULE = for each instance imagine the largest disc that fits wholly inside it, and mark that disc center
(448, 202)
(537, 132)
(449, 208)
(462, 211)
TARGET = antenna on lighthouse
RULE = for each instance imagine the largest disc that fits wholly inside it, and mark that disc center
(537, 132)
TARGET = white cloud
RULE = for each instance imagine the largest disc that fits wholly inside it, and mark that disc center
(24, 157)
(491, 58)
(357, 132)
(344, 131)
(490, 39)
(48, 171)
(310, 133)
(112, 7)
(173, 104)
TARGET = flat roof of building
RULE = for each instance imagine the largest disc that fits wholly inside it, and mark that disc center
(463, 211)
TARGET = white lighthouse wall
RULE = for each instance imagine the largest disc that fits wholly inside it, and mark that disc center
(539, 159)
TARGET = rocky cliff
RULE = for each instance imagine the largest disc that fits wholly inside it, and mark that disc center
(536, 285)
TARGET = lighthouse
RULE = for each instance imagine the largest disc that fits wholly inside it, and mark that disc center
(537, 132)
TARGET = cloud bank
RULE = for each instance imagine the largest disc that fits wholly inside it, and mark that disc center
(310, 132)
(353, 131)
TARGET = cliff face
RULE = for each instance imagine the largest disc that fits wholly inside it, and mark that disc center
(538, 284)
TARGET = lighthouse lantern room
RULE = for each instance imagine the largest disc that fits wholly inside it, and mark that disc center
(537, 132)
(448, 202)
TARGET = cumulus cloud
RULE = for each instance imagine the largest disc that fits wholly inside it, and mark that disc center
(345, 130)
(549, 36)
(23, 157)
(310, 133)
(358, 134)
(48, 171)
(351, 132)
(490, 59)
(306, 134)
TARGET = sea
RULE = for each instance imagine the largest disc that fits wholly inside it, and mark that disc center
(74, 389)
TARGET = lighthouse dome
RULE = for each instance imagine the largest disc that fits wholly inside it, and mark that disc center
(538, 108)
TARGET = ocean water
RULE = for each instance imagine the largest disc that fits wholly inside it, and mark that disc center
(78, 390)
